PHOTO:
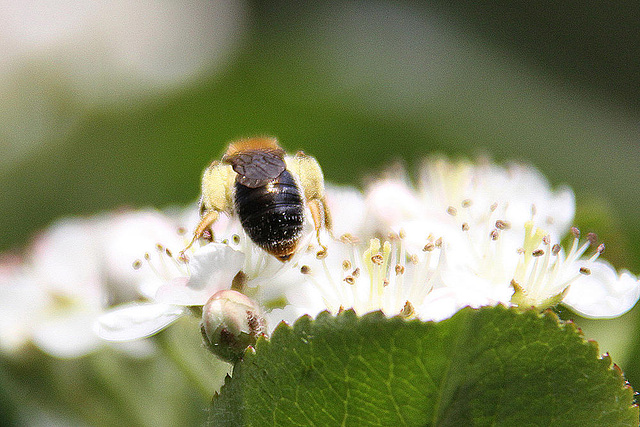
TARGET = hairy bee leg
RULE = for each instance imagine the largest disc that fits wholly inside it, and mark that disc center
(205, 222)
(318, 213)
(328, 222)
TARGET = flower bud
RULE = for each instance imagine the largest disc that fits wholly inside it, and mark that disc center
(231, 322)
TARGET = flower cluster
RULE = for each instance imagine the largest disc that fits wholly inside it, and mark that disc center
(468, 234)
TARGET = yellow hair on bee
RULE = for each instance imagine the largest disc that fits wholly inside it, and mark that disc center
(253, 144)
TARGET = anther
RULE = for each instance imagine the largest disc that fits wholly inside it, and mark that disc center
(402, 234)
(555, 250)
(356, 272)
(322, 254)
(592, 238)
(182, 231)
(502, 225)
(305, 269)
(349, 239)
(575, 232)
(494, 234)
(585, 271)
(159, 247)
(399, 269)
(413, 259)
(236, 239)
(385, 282)
(546, 240)
(493, 207)
(520, 251)
(537, 252)
(147, 256)
(137, 264)
(600, 248)
(350, 280)
(377, 259)
(429, 247)
(168, 252)
(346, 265)
(183, 258)
(407, 310)
(207, 235)
(465, 226)
(466, 203)
(452, 211)
(439, 242)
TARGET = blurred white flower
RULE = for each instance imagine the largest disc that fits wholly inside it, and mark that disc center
(72, 271)
(60, 57)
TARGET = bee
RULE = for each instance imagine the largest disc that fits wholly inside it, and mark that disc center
(268, 191)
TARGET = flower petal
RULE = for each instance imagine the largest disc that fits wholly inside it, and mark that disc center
(213, 267)
(603, 294)
(68, 336)
(134, 321)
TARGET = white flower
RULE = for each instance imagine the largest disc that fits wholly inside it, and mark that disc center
(190, 281)
(73, 270)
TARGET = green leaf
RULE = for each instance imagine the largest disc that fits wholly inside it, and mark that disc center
(490, 366)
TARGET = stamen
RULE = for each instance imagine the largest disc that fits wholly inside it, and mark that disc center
(137, 264)
(305, 269)
(584, 270)
(452, 211)
(399, 269)
(537, 252)
(428, 247)
(494, 234)
(575, 232)
(377, 259)
(346, 265)
(465, 226)
(502, 225)
(555, 250)
(408, 310)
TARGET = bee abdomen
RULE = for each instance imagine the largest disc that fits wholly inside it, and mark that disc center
(273, 214)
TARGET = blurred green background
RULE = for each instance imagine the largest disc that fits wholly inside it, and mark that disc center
(358, 85)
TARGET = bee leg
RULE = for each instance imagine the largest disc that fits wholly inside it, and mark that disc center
(327, 217)
(205, 223)
(319, 214)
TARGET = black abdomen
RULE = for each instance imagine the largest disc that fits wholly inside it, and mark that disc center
(272, 215)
